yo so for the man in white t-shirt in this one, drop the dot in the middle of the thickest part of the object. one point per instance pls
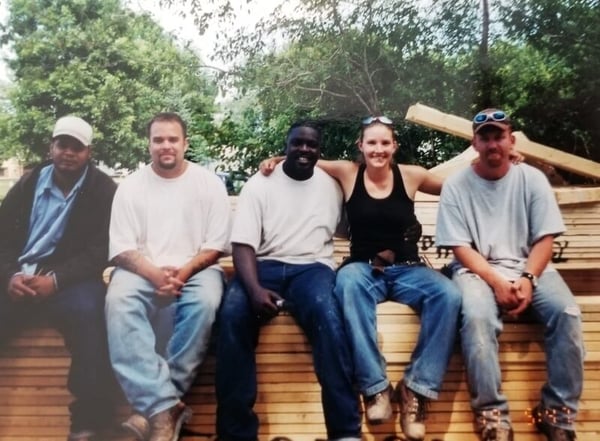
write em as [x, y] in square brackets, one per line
[169, 225]
[283, 254]
[500, 220]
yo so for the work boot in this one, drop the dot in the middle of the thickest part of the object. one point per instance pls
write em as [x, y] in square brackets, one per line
[553, 433]
[138, 426]
[166, 425]
[378, 407]
[412, 412]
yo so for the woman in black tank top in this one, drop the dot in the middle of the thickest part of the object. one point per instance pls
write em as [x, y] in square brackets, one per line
[384, 264]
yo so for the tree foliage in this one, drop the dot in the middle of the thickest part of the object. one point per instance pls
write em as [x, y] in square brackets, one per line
[538, 59]
[343, 61]
[561, 105]
[97, 60]
[332, 60]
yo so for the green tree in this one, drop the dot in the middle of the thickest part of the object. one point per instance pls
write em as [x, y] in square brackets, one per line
[338, 61]
[95, 59]
[562, 105]
[340, 64]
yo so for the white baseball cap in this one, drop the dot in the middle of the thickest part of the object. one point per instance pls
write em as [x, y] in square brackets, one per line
[75, 127]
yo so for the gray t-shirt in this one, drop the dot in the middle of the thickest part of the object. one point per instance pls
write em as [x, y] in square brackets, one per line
[501, 219]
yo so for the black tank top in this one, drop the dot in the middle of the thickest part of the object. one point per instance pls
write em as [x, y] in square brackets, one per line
[379, 224]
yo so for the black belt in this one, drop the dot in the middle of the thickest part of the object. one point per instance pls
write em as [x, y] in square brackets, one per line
[376, 262]
[387, 258]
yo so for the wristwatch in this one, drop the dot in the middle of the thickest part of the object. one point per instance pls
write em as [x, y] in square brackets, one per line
[531, 277]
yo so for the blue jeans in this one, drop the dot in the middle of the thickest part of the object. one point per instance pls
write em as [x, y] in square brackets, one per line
[307, 290]
[431, 295]
[156, 344]
[77, 313]
[553, 306]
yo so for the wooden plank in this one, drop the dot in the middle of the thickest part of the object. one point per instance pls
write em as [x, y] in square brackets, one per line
[461, 127]
[576, 195]
[556, 158]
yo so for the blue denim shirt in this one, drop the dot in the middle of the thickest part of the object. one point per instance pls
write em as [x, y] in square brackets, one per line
[49, 217]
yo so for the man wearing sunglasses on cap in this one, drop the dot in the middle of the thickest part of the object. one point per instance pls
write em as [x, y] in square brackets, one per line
[53, 249]
[500, 220]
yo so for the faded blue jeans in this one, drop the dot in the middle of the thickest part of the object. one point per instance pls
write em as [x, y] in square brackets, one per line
[156, 345]
[307, 290]
[431, 295]
[554, 307]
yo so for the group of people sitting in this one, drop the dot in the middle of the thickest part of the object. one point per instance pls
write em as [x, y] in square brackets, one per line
[166, 225]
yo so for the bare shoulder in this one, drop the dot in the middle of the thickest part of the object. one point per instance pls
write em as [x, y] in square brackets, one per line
[417, 178]
[413, 171]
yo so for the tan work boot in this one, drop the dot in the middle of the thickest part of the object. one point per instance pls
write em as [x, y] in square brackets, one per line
[378, 407]
[138, 426]
[412, 412]
[166, 425]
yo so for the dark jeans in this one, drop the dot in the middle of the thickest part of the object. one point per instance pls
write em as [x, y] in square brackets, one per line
[77, 312]
[308, 291]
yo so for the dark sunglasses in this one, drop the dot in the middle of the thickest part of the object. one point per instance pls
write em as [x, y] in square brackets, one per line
[381, 119]
[497, 116]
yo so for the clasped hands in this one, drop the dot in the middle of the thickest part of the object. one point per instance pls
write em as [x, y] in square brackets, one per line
[513, 297]
[22, 286]
[169, 280]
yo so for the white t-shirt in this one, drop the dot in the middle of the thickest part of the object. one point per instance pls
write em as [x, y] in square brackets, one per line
[502, 219]
[288, 220]
[170, 220]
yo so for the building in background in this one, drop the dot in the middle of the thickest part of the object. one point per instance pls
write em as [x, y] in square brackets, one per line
[11, 169]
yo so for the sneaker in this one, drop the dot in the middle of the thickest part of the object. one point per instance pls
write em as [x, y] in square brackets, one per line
[378, 407]
[138, 426]
[166, 425]
[412, 412]
[553, 433]
[497, 433]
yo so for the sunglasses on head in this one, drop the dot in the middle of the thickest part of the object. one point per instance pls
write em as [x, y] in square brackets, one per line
[381, 119]
[497, 115]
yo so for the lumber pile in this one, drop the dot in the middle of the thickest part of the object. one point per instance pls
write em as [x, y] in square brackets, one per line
[33, 398]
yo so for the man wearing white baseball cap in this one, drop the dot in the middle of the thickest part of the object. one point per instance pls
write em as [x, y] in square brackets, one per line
[75, 127]
[53, 249]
